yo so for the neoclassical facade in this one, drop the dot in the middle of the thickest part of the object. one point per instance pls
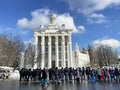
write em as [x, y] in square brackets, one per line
[53, 46]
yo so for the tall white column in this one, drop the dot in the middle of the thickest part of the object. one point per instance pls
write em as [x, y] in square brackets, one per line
[70, 45]
[68, 52]
[36, 51]
[43, 52]
[56, 48]
[63, 51]
[49, 51]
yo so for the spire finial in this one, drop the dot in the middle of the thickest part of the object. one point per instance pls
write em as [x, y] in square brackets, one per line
[53, 19]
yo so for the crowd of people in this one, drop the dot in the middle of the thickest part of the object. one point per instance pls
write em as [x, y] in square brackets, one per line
[56, 75]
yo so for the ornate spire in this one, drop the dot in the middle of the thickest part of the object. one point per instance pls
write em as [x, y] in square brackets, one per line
[76, 47]
[53, 19]
[52, 24]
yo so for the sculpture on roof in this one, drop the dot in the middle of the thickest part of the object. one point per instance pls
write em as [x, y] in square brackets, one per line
[53, 19]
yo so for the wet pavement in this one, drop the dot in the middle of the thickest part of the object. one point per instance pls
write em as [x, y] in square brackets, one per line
[16, 85]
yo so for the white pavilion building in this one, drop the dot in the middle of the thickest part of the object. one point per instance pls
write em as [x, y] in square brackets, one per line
[53, 47]
[81, 57]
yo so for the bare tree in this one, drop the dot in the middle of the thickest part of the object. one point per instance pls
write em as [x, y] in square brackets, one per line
[93, 58]
[106, 55]
[29, 55]
[102, 55]
[10, 50]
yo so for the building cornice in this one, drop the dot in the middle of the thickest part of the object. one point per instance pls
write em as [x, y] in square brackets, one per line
[53, 32]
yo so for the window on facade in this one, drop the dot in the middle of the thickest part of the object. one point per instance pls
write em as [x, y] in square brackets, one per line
[46, 48]
[59, 48]
[66, 55]
[59, 43]
[53, 53]
[59, 55]
[65, 43]
[66, 40]
[53, 50]
[66, 49]
[39, 51]
[53, 39]
[59, 38]
[60, 64]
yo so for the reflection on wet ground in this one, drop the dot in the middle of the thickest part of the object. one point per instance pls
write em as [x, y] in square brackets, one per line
[16, 85]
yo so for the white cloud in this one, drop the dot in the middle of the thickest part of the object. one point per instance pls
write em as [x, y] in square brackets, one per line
[69, 23]
[96, 18]
[90, 7]
[107, 41]
[81, 28]
[67, 20]
[94, 15]
[41, 16]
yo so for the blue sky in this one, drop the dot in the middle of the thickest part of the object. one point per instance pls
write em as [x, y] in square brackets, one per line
[94, 22]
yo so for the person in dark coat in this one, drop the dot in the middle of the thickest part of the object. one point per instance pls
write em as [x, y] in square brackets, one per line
[70, 74]
[77, 75]
[39, 74]
[66, 73]
[83, 73]
[21, 74]
[44, 77]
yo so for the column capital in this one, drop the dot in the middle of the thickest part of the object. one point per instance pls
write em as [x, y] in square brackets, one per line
[42, 37]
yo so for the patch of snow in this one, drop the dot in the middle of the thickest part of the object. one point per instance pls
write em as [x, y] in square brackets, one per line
[14, 75]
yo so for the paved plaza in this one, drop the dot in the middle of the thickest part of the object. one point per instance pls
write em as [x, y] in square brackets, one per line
[16, 85]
